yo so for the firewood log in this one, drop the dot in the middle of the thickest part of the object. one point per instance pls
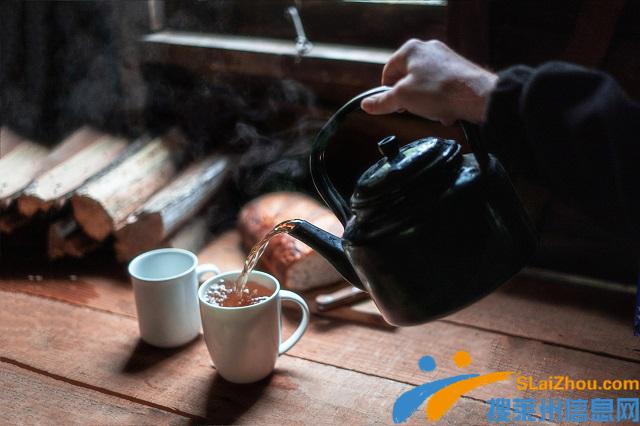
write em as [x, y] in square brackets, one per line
[20, 161]
[170, 207]
[102, 204]
[8, 141]
[87, 153]
[11, 219]
[192, 236]
[65, 238]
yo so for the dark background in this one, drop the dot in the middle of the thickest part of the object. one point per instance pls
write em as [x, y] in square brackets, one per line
[64, 64]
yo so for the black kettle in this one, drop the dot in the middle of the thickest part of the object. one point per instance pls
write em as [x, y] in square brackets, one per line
[428, 230]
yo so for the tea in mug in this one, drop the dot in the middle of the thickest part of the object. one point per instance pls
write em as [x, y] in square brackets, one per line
[222, 293]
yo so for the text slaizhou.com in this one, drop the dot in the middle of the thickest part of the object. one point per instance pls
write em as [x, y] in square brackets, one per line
[564, 383]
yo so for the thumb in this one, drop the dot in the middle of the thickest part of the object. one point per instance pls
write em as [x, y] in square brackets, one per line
[382, 103]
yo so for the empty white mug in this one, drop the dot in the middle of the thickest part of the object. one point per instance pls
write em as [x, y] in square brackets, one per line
[245, 342]
[165, 285]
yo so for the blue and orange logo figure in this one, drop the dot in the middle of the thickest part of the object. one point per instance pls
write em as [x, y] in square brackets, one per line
[443, 393]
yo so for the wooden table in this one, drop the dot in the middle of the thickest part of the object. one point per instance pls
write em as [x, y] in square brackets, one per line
[70, 353]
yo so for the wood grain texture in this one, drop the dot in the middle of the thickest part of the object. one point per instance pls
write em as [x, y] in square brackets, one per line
[164, 212]
[19, 167]
[68, 147]
[555, 311]
[93, 151]
[103, 350]
[93, 291]
[389, 354]
[549, 311]
[28, 398]
[394, 354]
[101, 205]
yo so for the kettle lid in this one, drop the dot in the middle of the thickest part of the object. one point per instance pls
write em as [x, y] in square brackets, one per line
[427, 162]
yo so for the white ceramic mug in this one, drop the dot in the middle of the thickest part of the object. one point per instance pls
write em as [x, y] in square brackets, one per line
[245, 342]
[165, 285]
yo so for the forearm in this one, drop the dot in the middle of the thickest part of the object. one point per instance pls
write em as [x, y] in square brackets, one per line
[575, 131]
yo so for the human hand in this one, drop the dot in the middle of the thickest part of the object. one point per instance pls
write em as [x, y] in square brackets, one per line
[431, 80]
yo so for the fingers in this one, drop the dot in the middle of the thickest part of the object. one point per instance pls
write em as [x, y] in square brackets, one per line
[383, 103]
[396, 68]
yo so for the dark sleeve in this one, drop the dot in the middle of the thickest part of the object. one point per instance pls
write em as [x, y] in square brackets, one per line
[575, 131]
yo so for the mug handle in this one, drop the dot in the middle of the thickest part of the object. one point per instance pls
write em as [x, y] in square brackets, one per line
[204, 269]
[293, 339]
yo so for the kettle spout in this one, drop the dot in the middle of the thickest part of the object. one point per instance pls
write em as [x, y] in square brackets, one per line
[329, 246]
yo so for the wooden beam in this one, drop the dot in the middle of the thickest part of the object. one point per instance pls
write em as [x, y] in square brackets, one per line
[269, 46]
[170, 207]
[379, 23]
[328, 68]
[101, 205]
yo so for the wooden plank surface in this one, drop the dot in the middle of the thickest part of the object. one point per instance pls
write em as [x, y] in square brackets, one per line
[375, 351]
[587, 319]
[29, 398]
[98, 292]
[583, 318]
[394, 354]
[531, 326]
[591, 319]
[102, 349]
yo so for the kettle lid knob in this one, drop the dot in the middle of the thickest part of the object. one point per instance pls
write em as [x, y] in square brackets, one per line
[389, 147]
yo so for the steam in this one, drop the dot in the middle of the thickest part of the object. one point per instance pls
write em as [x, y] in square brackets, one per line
[274, 157]
[66, 64]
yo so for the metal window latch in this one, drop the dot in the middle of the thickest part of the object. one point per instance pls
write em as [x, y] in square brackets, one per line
[303, 45]
[156, 14]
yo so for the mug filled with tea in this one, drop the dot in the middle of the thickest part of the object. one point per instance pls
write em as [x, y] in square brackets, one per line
[241, 320]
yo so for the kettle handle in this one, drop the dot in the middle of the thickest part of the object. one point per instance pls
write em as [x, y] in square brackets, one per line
[323, 184]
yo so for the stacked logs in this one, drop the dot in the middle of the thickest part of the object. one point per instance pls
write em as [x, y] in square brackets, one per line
[95, 189]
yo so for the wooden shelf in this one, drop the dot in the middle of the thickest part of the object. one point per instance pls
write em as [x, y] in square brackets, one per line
[334, 71]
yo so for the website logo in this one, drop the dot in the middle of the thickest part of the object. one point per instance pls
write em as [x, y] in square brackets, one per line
[442, 394]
